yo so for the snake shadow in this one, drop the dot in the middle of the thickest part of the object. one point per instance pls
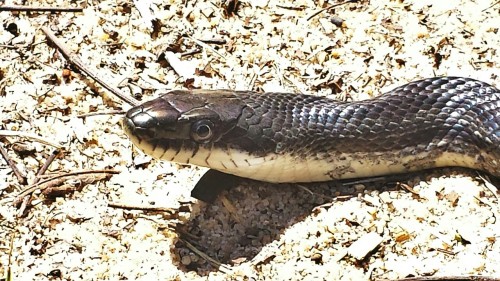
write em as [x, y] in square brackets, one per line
[238, 222]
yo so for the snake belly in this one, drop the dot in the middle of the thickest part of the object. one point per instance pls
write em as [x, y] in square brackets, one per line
[282, 137]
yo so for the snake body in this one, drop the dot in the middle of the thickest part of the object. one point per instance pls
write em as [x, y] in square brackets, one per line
[279, 137]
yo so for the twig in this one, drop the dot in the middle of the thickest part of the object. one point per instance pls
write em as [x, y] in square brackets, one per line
[58, 186]
[445, 278]
[112, 112]
[46, 165]
[306, 189]
[141, 208]
[216, 41]
[223, 268]
[330, 7]
[75, 60]
[204, 45]
[447, 252]
[190, 53]
[11, 249]
[19, 8]
[23, 205]
[366, 180]
[487, 183]
[407, 188]
[20, 177]
[46, 183]
[491, 6]
[21, 134]
[28, 198]
[230, 208]
[299, 8]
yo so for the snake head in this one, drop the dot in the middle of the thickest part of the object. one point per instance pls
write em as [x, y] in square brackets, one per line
[181, 120]
[142, 121]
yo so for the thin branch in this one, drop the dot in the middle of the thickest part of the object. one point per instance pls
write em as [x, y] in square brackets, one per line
[445, 278]
[216, 41]
[141, 208]
[190, 53]
[20, 177]
[407, 188]
[30, 189]
[490, 186]
[75, 60]
[18, 8]
[330, 7]
[11, 249]
[46, 165]
[306, 189]
[206, 46]
[27, 199]
[230, 208]
[111, 112]
[21, 134]
[222, 267]
[491, 6]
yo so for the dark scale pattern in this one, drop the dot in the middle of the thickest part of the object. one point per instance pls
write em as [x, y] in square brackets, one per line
[401, 118]
[453, 114]
[431, 116]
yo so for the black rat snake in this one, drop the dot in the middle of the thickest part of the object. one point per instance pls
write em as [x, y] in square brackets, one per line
[278, 137]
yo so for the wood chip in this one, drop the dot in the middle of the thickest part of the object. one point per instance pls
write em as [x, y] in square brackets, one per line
[364, 245]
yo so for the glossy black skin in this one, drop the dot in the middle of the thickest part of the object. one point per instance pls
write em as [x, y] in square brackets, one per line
[437, 114]
[442, 114]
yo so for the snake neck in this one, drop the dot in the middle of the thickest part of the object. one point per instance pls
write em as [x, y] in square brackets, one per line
[417, 126]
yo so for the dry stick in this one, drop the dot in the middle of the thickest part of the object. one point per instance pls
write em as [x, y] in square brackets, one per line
[20, 177]
[32, 188]
[362, 181]
[330, 7]
[61, 186]
[19, 8]
[11, 249]
[46, 165]
[491, 6]
[216, 41]
[57, 185]
[21, 134]
[445, 278]
[490, 186]
[23, 202]
[222, 267]
[75, 60]
[407, 188]
[190, 53]
[206, 46]
[27, 198]
[111, 112]
[306, 189]
[141, 208]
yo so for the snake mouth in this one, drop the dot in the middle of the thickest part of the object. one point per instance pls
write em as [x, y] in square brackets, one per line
[146, 138]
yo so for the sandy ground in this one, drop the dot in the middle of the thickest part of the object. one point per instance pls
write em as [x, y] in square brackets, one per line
[437, 223]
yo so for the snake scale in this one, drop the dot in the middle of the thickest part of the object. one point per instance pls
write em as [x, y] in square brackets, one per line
[280, 137]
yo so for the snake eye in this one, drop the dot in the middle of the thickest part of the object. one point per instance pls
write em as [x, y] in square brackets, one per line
[202, 131]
